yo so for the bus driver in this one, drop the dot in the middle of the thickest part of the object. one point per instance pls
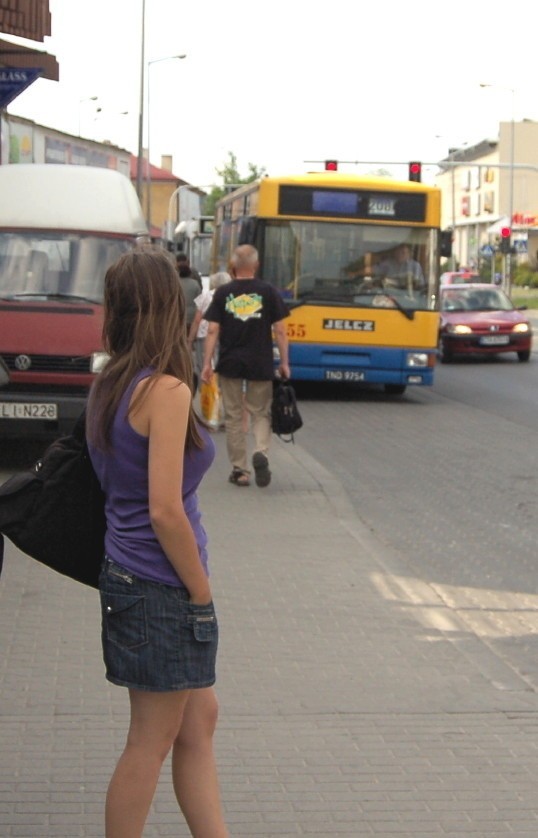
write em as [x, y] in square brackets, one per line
[401, 271]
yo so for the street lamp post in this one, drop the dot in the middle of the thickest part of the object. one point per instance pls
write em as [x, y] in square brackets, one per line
[511, 198]
[451, 150]
[507, 272]
[141, 104]
[148, 169]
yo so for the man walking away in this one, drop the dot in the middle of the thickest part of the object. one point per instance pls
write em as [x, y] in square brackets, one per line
[186, 269]
[243, 316]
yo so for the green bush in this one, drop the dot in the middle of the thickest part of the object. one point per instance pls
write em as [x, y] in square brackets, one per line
[524, 276]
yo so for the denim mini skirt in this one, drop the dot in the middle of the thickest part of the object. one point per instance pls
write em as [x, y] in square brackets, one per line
[153, 637]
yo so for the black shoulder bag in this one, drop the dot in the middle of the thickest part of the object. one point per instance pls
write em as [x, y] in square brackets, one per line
[54, 512]
[285, 416]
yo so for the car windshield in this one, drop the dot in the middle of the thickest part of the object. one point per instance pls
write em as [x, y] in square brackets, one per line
[60, 265]
[475, 299]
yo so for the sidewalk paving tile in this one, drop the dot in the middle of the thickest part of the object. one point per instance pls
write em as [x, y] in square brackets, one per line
[353, 702]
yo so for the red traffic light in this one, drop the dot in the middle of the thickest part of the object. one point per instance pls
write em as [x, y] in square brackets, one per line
[331, 165]
[506, 240]
[415, 171]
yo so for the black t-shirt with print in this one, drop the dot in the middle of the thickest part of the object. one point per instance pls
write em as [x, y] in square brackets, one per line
[245, 310]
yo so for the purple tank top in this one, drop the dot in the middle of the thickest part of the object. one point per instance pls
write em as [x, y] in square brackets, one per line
[123, 473]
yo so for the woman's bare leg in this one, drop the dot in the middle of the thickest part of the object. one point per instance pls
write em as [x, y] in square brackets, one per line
[156, 719]
[194, 771]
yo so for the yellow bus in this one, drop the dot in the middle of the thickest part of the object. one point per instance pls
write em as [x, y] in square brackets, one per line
[357, 260]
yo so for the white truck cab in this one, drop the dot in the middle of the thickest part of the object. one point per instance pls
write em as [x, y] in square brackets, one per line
[61, 226]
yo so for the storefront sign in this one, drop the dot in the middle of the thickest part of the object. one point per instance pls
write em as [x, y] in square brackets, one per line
[13, 80]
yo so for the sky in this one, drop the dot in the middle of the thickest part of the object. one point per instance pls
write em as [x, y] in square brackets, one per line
[283, 83]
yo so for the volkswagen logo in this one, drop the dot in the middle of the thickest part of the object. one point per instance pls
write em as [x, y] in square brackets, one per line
[23, 363]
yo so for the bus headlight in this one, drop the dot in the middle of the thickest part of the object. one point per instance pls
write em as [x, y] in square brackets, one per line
[416, 359]
[98, 361]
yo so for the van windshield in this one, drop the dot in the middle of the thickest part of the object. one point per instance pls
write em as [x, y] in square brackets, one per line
[47, 264]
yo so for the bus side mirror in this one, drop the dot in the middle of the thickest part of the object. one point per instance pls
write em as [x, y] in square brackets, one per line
[446, 242]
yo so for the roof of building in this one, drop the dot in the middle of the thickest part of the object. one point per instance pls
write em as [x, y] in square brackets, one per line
[155, 172]
[469, 153]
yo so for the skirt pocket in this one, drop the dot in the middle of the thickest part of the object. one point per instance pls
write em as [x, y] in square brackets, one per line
[124, 620]
[203, 621]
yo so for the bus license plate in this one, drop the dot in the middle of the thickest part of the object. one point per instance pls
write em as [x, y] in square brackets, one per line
[495, 340]
[28, 410]
[343, 375]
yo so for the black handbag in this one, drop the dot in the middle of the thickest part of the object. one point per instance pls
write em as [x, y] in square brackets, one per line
[285, 416]
[54, 511]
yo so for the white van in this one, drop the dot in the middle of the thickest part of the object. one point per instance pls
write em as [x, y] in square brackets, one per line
[61, 226]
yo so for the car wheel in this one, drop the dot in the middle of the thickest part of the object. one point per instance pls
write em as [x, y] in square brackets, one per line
[395, 389]
[524, 355]
[445, 355]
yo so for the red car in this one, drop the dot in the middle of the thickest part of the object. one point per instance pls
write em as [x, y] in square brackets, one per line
[479, 319]
[451, 277]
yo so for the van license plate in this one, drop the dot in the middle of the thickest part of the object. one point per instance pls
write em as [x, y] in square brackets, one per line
[343, 375]
[31, 410]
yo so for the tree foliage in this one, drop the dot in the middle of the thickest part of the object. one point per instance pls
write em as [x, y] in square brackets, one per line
[231, 178]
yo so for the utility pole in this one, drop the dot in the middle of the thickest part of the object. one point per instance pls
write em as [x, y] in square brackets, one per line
[139, 161]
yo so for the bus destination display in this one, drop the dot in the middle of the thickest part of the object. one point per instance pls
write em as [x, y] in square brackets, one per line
[352, 203]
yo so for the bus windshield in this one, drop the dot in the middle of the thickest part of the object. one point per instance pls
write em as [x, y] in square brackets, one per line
[69, 265]
[351, 264]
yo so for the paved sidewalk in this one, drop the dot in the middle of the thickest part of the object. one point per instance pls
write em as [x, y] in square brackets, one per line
[354, 701]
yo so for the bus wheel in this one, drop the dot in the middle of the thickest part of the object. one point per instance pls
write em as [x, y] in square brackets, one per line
[395, 389]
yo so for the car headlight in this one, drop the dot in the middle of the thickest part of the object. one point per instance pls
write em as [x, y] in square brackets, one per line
[98, 361]
[521, 327]
[458, 329]
[416, 359]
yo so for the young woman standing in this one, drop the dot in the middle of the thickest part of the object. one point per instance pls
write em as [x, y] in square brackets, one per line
[159, 627]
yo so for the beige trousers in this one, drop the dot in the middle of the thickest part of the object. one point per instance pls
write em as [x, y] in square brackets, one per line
[255, 397]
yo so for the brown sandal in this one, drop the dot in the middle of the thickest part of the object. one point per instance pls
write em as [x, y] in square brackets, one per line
[239, 477]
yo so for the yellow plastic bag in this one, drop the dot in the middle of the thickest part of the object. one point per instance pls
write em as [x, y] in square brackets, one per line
[209, 400]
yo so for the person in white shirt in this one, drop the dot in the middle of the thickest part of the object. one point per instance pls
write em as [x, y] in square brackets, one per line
[198, 330]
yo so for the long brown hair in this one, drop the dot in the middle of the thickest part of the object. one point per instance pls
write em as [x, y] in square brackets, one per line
[144, 326]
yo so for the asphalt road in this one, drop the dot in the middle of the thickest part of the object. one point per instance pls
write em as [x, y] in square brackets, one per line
[447, 477]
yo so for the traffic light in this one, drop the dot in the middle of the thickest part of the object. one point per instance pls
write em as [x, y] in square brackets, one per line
[415, 171]
[506, 240]
[331, 165]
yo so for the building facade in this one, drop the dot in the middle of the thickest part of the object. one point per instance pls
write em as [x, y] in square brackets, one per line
[491, 185]
[24, 141]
